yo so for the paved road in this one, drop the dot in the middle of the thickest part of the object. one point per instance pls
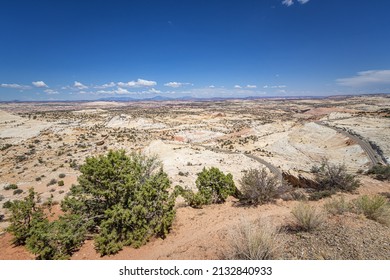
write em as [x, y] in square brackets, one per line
[371, 153]
[271, 167]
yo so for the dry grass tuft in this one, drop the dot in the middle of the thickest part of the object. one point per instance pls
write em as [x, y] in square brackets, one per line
[374, 207]
[253, 241]
[337, 206]
[307, 217]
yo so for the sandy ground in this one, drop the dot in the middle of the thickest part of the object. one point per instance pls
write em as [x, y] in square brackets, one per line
[15, 129]
[183, 162]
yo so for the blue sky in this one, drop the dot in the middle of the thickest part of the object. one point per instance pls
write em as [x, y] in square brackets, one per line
[76, 50]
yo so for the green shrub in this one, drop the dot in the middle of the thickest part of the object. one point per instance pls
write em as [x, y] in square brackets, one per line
[307, 217]
[257, 187]
[17, 191]
[317, 195]
[58, 239]
[11, 187]
[126, 197]
[5, 147]
[1, 197]
[213, 187]
[24, 215]
[374, 207]
[7, 204]
[60, 183]
[195, 200]
[381, 172]
[62, 175]
[334, 178]
[253, 241]
[52, 182]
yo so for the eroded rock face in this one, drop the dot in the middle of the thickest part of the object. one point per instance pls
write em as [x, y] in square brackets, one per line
[299, 181]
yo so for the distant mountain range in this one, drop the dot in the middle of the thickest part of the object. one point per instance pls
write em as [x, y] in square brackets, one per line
[160, 98]
[190, 98]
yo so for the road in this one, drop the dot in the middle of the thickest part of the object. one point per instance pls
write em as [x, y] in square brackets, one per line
[271, 167]
[370, 152]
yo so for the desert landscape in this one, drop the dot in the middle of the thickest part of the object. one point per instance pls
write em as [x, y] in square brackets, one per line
[43, 146]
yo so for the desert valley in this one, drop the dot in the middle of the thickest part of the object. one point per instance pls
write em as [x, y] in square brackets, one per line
[44, 144]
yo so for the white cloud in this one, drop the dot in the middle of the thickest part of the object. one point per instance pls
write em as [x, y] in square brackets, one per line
[108, 85]
[173, 84]
[138, 83]
[367, 78]
[176, 84]
[40, 84]
[237, 86]
[279, 86]
[211, 86]
[153, 90]
[122, 91]
[15, 86]
[51, 91]
[251, 86]
[79, 85]
[119, 90]
[288, 3]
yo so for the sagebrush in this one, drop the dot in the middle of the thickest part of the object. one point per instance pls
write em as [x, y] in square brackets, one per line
[256, 240]
[307, 217]
[258, 187]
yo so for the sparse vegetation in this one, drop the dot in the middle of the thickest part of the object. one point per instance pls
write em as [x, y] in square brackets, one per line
[253, 241]
[5, 147]
[206, 137]
[337, 206]
[380, 172]
[374, 207]
[7, 204]
[10, 187]
[331, 178]
[307, 217]
[317, 195]
[52, 182]
[17, 191]
[257, 187]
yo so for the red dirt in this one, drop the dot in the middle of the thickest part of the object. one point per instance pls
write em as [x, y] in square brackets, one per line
[202, 233]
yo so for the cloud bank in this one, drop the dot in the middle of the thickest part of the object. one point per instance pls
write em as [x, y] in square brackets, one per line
[176, 84]
[15, 86]
[367, 78]
[138, 83]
